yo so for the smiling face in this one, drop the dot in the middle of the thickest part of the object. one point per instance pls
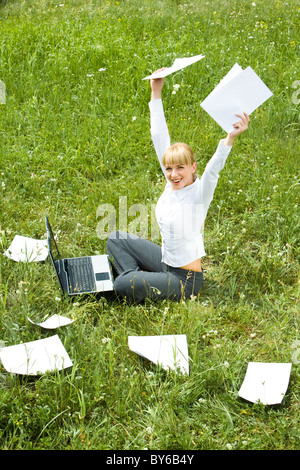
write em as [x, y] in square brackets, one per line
[180, 175]
[180, 165]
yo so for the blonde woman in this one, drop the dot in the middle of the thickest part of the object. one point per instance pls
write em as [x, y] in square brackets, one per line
[173, 270]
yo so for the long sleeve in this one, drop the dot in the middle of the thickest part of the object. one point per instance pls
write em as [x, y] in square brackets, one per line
[159, 130]
[210, 176]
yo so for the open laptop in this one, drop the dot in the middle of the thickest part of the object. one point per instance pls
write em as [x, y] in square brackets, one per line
[82, 275]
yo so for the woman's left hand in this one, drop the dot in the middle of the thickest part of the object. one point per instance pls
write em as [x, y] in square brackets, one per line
[239, 127]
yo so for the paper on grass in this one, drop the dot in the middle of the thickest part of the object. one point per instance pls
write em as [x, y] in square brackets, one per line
[53, 322]
[266, 382]
[177, 65]
[238, 92]
[27, 249]
[35, 357]
[169, 351]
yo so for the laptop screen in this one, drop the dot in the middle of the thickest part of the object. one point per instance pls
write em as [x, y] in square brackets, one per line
[53, 246]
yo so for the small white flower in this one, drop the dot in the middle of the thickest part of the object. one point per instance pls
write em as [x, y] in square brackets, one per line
[134, 118]
[58, 299]
[106, 340]
[175, 88]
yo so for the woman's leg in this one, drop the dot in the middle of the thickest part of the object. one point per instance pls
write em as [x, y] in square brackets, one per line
[139, 285]
[129, 252]
[141, 272]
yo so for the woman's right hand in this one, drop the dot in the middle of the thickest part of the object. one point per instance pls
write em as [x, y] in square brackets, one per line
[157, 85]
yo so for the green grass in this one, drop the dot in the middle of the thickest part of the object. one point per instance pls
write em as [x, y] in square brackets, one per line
[73, 138]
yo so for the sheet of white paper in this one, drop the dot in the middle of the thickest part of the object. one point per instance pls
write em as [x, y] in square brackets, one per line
[236, 69]
[53, 322]
[239, 91]
[27, 249]
[35, 357]
[266, 382]
[177, 65]
[170, 351]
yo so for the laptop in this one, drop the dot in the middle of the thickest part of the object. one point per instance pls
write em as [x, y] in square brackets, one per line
[82, 275]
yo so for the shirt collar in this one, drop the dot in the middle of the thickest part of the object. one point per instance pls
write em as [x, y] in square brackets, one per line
[181, 193]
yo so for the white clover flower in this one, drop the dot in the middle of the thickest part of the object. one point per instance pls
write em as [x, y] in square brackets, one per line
[106, 340]
[201, 400]
[175, 88]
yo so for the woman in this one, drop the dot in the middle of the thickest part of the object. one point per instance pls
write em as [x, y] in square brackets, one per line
[173, 270]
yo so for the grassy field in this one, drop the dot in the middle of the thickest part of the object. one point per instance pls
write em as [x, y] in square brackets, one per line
[75, 135]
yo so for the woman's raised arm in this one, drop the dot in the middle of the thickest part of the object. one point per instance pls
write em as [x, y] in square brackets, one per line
[159, 129]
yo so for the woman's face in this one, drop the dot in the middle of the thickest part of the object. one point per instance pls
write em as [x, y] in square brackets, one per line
[180, 175]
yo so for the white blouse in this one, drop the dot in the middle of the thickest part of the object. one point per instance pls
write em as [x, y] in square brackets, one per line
[181, 213]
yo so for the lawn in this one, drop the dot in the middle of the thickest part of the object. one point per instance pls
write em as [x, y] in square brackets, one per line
[75, 141]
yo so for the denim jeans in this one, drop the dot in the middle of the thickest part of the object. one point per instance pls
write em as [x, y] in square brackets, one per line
[141, 274]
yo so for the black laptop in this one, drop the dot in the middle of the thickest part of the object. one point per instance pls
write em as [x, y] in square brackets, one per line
[82, 275]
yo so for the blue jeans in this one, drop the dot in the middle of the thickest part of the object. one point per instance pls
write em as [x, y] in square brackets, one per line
[141, 274]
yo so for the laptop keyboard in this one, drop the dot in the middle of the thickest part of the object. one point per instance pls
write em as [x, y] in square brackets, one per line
[81, 275]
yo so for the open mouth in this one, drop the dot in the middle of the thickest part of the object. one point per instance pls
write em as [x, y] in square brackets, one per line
[177, 181]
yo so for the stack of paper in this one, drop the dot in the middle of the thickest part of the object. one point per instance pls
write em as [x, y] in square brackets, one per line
[177, 65]
[27, 249]
[35, 357]
[238, 92]
[169, 351]
[266, 382]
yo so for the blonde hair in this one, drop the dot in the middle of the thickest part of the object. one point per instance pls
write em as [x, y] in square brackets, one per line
[178, 153]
